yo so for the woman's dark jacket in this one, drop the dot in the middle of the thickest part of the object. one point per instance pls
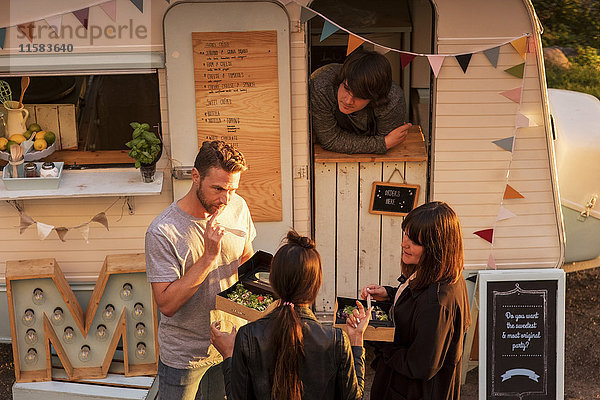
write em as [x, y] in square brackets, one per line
[331, 368]
[424, 361]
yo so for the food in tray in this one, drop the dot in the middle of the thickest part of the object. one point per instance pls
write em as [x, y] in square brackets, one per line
[245, 297]
[377, 314]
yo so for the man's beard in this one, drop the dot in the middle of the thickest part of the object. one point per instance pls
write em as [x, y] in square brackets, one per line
[210, 208]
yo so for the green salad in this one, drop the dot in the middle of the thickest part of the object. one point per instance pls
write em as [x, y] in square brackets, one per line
[243, 296]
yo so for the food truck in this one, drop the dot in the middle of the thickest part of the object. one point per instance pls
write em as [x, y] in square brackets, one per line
[473, 77]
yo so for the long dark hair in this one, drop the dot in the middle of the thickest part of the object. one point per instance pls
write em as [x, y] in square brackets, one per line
[296, 276]
[436, 227]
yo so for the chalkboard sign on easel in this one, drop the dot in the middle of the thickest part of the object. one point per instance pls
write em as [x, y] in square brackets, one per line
[521, 337]
[393, 198]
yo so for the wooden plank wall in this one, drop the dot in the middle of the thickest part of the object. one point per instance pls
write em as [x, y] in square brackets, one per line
[81, 261]
[57, 118]
[357, 248]
[469, 171]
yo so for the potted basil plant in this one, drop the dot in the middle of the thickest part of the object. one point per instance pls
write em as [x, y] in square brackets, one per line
[146, 149]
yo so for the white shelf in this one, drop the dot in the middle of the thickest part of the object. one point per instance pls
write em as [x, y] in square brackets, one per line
[92, 183]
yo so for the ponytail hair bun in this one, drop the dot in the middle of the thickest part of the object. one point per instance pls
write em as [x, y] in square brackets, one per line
[294, 238]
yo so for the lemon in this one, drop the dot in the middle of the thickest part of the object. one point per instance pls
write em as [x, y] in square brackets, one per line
[27, 134]
[49, 137]
[17, 137]
[34, 128]
[3, 143]
[40, 144]
[40, 135]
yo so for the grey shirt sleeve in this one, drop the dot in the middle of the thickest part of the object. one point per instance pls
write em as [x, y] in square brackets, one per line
[162, 264]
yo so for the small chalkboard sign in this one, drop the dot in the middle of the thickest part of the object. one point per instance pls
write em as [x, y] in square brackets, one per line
[393, 198]
[521, 345]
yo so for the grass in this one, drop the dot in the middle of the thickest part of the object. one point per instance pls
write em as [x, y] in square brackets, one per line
[580, 78]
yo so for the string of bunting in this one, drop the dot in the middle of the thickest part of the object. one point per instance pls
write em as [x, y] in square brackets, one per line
[522, 44]
[82, 15]
[44, 230]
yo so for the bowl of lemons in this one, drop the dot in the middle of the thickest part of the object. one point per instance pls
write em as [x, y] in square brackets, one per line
[36, 142]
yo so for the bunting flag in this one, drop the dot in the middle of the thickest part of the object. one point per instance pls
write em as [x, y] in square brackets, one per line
[55, 23]
[43, 230]
[353, 43]
[381, 49]
[83, 16]
[492, 55]
[523, 121]
[511, 193]
[328, 30]
[27, 30]
[85, 232]
[306, 14]
[101, 219]
[506, 143]
[464, 60]
[491, 262]
[62, 232]
[513, 94]
[486, 234]
[516, 71]
[2, 37]
[26, 221]
[520, 46]
[436, 62]
[139, 4]
[110, 8]
[505, 214]
[406, 58]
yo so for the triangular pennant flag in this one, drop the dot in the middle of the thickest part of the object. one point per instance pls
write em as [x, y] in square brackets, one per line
[513, 94]
[491, 262]
[110, 8]
[2, 37]
[139, 4]
[55, 23]
[506, 143]
[520, 46]
[492, 55]
[101, 219]
[328, 30]
[511, 193]
[83, 16]
[43, 230]
[27, 30]
[306, 14]
[516, 71]
[381, 49]
[522, 121]
[406, 58]
[486, 234]
[26, 221]
[85, 232]
[353, 43]
[62, 232]
[464, 60]
[436, 63]
[505, 214]
[530, 44]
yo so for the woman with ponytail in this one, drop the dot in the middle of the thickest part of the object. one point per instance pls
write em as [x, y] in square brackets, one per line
[288, 354]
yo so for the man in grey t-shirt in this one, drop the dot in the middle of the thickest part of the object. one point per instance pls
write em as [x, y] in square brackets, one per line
[193, 251]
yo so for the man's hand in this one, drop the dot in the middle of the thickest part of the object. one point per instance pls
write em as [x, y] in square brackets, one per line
[397, 136]
[212, 238]
[223, 341]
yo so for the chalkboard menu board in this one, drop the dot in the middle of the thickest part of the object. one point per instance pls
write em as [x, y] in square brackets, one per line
[521, 352]
[237, 101]
[393, 198]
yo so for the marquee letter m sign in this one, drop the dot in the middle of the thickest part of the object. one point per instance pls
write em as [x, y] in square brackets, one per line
[43, 310]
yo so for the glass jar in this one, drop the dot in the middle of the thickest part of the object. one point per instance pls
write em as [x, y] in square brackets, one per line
[30, 170]
[49, 170]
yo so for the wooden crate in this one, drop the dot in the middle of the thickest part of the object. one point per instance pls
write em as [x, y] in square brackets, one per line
[58, 118]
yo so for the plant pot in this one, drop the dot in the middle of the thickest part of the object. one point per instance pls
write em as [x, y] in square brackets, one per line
[148, 171]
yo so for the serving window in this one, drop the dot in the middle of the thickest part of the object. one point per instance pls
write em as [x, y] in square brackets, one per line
[90, 113]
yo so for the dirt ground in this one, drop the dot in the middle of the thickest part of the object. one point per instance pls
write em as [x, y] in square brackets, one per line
[582, 346]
